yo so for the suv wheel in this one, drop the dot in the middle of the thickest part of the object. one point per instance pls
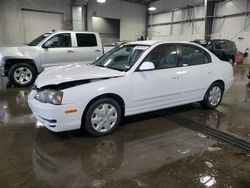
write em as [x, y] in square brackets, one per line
[102, 117]
[22, 74]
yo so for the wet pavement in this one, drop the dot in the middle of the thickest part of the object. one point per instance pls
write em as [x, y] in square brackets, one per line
[233, 115]
[147, 150]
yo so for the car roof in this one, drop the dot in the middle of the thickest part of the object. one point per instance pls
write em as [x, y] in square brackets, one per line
[143, 42]
[69, 31]
[153, 42]
[203, 40]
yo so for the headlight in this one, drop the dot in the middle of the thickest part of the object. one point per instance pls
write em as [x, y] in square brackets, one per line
[49, 96]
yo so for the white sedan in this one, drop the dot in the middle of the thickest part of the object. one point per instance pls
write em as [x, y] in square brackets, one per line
[131, 79]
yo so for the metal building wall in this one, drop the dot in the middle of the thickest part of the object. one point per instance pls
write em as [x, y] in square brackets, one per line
[183, 24]
[132, 16]
[232, 21]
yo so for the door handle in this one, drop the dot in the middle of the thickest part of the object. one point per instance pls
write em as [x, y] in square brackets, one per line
[70, 51]
[175, 78]
[97, 50]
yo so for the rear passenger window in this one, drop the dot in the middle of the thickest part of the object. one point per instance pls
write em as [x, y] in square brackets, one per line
[191, 55]
[86, 40]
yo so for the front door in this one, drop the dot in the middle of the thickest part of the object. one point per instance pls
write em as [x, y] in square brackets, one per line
[158, 88]
[58, 50]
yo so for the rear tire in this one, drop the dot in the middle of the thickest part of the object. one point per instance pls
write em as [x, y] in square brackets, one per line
[102, 117]
[213, 96]
[231, 60]
[22, 74]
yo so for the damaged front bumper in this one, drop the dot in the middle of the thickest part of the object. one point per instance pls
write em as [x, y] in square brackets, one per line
[53, 117]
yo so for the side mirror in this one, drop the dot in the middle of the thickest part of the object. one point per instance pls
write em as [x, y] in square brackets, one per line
[147, 66]
[47, 44]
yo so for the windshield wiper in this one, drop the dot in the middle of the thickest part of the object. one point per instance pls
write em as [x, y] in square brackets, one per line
[98, 65]
[109, 67]
[122, 70]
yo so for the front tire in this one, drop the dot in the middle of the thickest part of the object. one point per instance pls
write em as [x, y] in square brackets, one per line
[102, 117]
[22, 74]
[213, 96]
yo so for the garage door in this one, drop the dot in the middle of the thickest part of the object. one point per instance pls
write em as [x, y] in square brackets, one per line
[36, 23]
[109, 29]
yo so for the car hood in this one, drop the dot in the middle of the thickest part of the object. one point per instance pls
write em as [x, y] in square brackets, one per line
[74, 72]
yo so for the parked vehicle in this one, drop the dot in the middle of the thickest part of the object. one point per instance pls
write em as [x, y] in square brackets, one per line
[23, 64]
[222, 48]
[133, 78]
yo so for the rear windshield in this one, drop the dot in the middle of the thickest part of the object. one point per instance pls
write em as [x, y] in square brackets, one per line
[224, 45]
[230, 45]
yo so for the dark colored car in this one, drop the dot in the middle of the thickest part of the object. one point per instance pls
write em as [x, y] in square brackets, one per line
[222, 48]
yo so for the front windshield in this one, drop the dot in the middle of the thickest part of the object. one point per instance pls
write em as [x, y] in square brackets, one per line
[121, 58]
[37, 40]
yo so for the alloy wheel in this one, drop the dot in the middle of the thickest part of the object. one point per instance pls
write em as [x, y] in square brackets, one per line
[23, 75]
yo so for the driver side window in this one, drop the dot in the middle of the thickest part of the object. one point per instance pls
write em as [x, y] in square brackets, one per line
[62, 40]
[163, 56]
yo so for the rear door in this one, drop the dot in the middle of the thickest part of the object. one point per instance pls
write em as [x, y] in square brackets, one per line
[197, 72]
[88, 47]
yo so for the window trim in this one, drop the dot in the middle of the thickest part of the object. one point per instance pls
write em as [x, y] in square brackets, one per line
[56, 35]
